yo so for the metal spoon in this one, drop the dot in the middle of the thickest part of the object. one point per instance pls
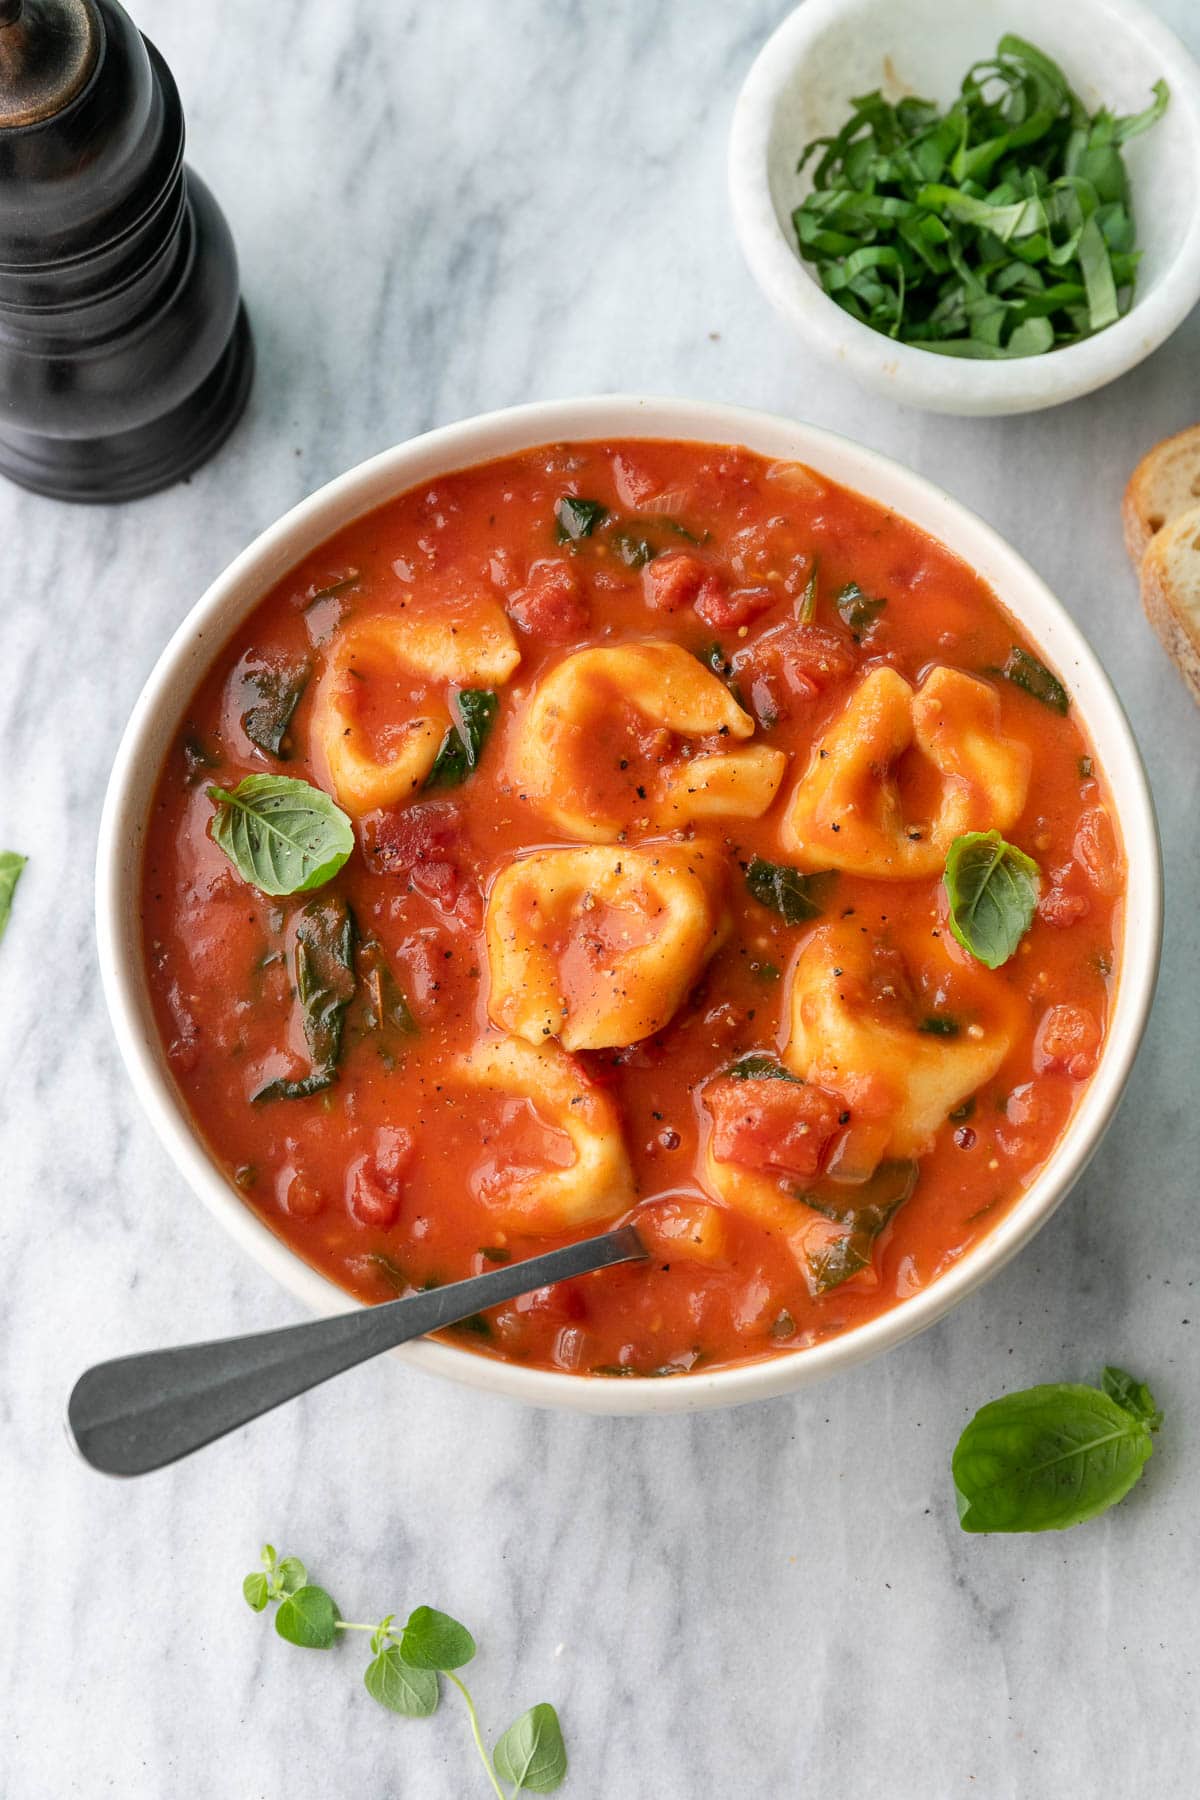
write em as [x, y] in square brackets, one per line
[139, 1413]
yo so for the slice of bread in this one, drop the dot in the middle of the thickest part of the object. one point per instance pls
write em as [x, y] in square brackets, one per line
[1170, 580]
[1165, 482]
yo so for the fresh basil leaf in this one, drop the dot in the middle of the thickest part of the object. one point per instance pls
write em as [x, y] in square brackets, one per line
[858, 611]
[992, 888]
[1025, 671]
[1133, 1395]
[795, 897]
[325, 986]
[399, 1686]
[864, 1210]
[308, 1618]
[462, 746]
[531, 1754]
[577, 518]
[255, 1591]
[1047, 1458]
[282, 836]
[11, 865]
[758, 1065]
[277, 693]
[433, 1640]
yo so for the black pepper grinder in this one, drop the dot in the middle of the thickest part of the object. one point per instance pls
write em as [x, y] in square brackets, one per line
[125, 353]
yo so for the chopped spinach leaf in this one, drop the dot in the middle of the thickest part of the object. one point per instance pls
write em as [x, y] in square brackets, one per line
[277, 695]
[633, 551]
[806, 611]
[386, 1008]
[462, 746]
[759, 1065]
[858, 611]
[325, 986]
[1025, 671]
[864, 1211]
[940, 1025]
[577, 519]
[795, 897]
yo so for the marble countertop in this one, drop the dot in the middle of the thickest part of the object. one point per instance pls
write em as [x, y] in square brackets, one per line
[442, 209]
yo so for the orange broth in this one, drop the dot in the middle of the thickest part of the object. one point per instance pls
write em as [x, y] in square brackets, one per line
[388, 1179]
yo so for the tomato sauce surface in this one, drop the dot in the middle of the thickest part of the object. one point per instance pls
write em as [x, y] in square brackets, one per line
[392, 1176]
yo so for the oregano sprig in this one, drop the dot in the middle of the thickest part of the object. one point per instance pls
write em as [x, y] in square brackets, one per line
[405, 1670]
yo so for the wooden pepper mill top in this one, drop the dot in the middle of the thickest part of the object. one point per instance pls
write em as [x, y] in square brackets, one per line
[125, 355]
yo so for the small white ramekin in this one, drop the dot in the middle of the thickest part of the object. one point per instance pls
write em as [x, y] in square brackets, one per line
[161, 706]
[800, 87]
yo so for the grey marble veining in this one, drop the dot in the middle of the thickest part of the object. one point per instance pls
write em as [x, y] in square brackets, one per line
[442, 208]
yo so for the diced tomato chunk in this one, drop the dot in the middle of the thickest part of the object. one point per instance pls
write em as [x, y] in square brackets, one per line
[1097, 849]
[552, 605]
[725, 609]
[673, 580]
[1065, 901]
[1068, 1038]
[778, 1127]
[375, 1185]
[805, 659]
[424, 844]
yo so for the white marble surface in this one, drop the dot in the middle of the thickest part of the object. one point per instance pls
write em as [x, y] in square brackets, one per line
[442, 208]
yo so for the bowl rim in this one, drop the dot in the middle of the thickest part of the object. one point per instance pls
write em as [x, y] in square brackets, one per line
[238, 588]
[903, 371]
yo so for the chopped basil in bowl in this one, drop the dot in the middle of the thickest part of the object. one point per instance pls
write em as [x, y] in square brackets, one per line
[1000, 211]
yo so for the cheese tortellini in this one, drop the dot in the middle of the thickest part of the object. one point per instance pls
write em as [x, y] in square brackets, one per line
[847, 810]
[468, 645]
[596, 1182]
[598, 946]
[851, 1022]
[567, 761]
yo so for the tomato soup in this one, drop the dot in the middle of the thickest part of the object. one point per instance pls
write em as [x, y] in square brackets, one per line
[696, 843]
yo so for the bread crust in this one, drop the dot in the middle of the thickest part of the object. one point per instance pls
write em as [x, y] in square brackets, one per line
[1175, 621]
[1149, 504]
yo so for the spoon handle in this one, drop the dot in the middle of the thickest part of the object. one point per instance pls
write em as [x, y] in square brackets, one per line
[142, 1412]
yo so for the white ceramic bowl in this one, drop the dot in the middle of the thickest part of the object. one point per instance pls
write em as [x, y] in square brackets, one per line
[799, 88]
[160, 708]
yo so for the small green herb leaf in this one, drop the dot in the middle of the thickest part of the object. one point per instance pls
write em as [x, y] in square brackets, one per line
[940, 1025]
[276, 693]
[308, 1618]
[1025, 671]
[992, 888]
[399, 1686]
[577, 518]
[795, 897]
[858, 611]
[1048, 1457]
[291, 1575]
[633, 551]
[433, 1640]
[462, 746]
[531, 1754]
[282, 836]
[255, 1590]
[11, 865]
